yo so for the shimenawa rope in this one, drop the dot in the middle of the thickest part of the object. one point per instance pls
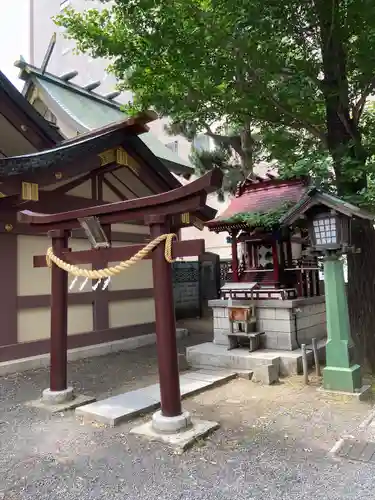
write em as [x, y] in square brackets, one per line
[122, 266]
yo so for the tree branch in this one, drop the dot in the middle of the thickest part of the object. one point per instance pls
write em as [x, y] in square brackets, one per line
[296, 120]
[227, 140]
[359, 106]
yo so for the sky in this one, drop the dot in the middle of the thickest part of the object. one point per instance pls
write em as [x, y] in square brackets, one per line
[14, 36]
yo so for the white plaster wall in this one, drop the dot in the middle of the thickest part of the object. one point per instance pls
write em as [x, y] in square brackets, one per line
[136, 277]
[30, 280]
[35, 324]
[131, 312]
[37, 281]
[83, 190]
[128, 178]
[130, 228]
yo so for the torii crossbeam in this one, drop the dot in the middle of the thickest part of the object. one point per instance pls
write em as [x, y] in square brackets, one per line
[156, 211]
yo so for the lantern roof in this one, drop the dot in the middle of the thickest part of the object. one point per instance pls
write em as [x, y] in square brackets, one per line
[316, 197]
[260, 203]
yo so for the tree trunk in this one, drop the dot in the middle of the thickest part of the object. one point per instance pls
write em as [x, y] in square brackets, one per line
[247, 145]
[344, 143]
[361, 293]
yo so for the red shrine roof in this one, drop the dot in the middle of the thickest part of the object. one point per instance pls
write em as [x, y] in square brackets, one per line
[259, 196]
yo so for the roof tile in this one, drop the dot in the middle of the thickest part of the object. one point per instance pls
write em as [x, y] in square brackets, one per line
[262, 198]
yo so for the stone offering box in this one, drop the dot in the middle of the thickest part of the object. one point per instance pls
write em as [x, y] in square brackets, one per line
[286, 323]
[242, 318]
[242, 326]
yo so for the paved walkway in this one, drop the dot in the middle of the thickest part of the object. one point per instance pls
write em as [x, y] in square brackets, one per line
[117, 409]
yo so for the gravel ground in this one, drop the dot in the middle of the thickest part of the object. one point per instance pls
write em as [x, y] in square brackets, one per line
[273, 442]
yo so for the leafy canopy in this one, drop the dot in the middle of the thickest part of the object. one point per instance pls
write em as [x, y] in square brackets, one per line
[266, 79]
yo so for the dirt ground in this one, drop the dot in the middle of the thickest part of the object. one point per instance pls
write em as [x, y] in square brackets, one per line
[273, 441]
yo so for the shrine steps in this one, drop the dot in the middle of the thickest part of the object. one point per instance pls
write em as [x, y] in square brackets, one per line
[212, 356]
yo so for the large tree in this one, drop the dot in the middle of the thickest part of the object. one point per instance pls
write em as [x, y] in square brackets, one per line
[296, 73]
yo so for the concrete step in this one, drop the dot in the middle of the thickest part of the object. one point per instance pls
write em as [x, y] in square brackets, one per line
[211, 356]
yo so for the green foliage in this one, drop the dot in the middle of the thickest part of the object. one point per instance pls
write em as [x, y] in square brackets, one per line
[268, 221]
[296, 74]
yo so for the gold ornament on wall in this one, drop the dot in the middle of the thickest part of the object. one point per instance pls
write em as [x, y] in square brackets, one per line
[185, 218]
[30, 191]
[107, 157]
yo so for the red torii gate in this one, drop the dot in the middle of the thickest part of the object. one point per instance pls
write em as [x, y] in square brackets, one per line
[158, 212]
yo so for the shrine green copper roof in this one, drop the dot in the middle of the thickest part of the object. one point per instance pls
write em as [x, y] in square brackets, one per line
[89, 111]
[86, 112]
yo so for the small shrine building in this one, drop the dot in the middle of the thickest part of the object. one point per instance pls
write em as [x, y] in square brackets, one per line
[268, 261]
[271, 275]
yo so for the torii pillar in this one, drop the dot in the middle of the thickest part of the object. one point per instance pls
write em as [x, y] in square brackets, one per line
[170, 418]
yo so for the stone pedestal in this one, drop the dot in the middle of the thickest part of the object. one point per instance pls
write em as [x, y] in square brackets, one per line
[57, 397]
[340, 373]
[58, 401]
[287, 323]
[170, 425]
[177, 432]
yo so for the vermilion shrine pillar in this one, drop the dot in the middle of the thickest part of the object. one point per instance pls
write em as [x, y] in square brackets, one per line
[165, 320]
[58, 389]
[275, 259]
[234, 256]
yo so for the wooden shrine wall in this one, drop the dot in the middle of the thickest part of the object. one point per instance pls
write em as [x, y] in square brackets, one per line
[34, 322]
[123, 311]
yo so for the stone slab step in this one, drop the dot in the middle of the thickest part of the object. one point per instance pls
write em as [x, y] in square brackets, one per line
[116, 409]
[212, 356]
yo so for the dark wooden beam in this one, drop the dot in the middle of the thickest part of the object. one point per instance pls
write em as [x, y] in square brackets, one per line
[9, 225]
[94, 187]
[49, 202]
[82, 298]
[76, 157]
[188, 198]
[188, 204]
[100, 187]
[8, 290]
[35, 348]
